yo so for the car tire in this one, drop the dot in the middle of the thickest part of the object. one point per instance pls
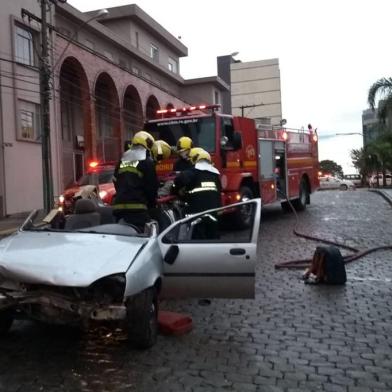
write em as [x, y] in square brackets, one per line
[242, 217]
[343, 187]
[142, 319]
[6, 319]
[300, 203]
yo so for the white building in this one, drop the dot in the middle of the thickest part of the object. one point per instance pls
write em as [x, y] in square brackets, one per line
[255, 89]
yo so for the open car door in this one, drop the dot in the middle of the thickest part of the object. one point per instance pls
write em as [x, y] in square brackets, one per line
[205, 257]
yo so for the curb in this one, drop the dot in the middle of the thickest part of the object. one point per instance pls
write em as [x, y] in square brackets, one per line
[386, 196]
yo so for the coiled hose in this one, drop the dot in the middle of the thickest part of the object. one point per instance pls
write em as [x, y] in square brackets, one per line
[305, 263]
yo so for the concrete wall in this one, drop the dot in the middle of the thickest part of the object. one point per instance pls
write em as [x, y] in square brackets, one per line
[129, 30]
[199, 94]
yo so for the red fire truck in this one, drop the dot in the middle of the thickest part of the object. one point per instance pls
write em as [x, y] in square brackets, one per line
[274, 164]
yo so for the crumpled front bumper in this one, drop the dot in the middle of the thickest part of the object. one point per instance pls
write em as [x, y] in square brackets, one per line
[56, 308]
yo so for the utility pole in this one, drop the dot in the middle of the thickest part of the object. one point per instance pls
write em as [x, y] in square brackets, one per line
[242, 107]
[44, 74]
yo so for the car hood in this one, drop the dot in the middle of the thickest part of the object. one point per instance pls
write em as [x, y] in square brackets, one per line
[66, 259]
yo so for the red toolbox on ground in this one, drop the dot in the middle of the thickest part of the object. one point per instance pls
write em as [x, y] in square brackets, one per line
[172, 323]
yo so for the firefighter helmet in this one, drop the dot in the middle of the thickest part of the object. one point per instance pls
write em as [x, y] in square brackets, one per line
[184, 143]
[197, 154]
[160, 150]
[143, 138]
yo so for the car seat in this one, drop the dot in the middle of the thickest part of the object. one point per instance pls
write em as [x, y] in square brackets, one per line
[85, 215]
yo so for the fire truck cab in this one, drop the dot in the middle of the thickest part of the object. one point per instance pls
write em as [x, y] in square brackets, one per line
[273, 164]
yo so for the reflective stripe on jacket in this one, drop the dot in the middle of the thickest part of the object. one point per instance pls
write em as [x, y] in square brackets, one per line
[202, 189]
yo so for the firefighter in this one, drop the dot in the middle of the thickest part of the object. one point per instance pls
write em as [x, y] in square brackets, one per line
[184, 146]
[136, 182]
[160, 151]
[200, 188]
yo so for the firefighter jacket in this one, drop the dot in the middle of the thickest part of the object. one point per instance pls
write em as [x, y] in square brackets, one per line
[136, 184]
[201, 189]
[182, 164]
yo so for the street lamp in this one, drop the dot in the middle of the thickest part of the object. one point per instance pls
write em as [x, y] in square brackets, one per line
[339, 134]
[45, 75]
[349, 133]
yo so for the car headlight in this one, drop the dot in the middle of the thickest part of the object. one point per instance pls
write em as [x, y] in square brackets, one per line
[61, 199]
[102, 194]
[112, 286]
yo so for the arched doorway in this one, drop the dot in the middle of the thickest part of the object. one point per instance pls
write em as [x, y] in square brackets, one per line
[151, 107]
[75, 119]
[107, 117]
[132, 112]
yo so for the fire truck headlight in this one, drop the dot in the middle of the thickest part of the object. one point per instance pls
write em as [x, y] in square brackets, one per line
[61, 199]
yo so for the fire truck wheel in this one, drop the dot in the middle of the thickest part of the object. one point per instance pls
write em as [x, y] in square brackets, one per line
[300, 203]
[286, 207]
[243, 215]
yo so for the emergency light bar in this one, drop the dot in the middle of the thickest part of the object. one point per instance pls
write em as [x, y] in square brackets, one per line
[188, 109]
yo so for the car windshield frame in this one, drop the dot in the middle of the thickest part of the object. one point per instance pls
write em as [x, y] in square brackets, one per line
[104, 175]
[39, 221]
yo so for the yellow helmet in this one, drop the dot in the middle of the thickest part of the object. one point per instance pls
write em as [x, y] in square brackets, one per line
[160, 150]
[197, 154]
[184, 143]
[144, 139]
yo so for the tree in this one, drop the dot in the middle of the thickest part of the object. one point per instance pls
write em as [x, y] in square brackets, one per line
[331, 167]
[361, 162]
[381, 152]
[382, 88]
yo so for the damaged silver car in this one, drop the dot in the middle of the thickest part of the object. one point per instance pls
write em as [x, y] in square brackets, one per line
[95, 271]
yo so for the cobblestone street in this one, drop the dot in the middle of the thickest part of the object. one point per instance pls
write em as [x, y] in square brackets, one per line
[292, 337]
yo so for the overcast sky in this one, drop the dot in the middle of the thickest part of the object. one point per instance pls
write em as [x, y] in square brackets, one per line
[330, 52]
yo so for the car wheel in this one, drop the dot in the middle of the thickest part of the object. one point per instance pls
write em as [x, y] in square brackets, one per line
[343, 187]
[142, 319]
[6, 319]
[300, 203]
[242, 217]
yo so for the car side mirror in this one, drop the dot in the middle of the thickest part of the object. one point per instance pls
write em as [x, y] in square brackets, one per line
[237, 140]
[171, 254]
